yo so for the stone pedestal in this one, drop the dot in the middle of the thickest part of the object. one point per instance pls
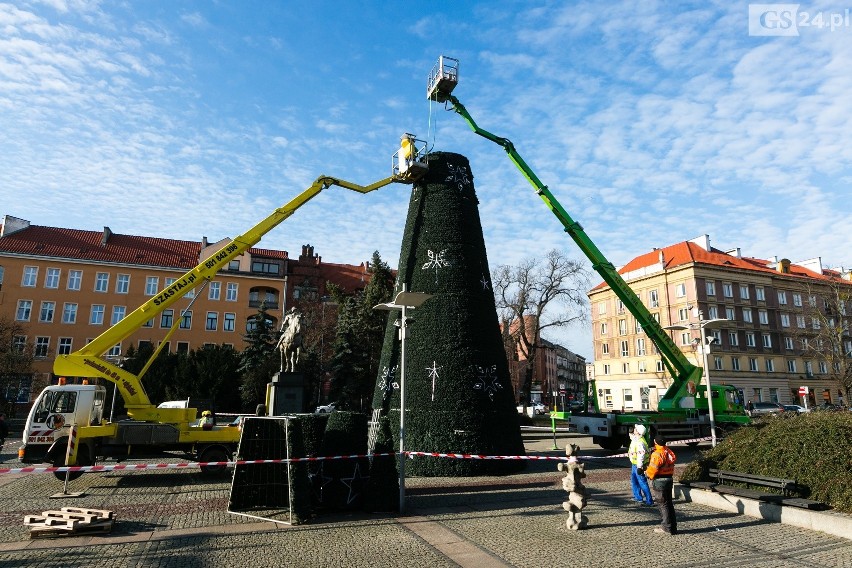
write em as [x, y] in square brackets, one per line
[571, 483]
[286, 394]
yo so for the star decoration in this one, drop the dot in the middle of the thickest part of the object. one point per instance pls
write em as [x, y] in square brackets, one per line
[459, 176]
[387, 384]
[486, 283]
[319, 480]
[487, 380]
[354, 483]
[433, 374]
[436, 261]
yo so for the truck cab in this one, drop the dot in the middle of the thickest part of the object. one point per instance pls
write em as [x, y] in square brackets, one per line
[57, 408]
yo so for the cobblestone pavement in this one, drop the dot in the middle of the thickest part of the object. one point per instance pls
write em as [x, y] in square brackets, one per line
[178, 518]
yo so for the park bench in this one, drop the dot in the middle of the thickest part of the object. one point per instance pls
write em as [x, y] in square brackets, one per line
[721, 481]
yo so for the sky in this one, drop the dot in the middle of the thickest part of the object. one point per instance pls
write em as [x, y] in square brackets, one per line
[651, 124]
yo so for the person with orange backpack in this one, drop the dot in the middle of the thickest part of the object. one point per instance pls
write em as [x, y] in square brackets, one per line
[660, 471]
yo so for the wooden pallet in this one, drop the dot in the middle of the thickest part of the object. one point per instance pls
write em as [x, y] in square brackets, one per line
[69, 521]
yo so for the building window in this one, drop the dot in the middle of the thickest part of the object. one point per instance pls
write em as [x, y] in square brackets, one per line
[682, 314]
[167, 318]
[186, 319]
[763, 317]
[805, 343]
[680, 290]
[605, 348]
[214, 291]
[606, 369]
[823, 367]
[800, 322]
[607, 398]
[101, 282]
[114, 351]
[118, 314]
[685, 338]
[713, 312]
[653, 299]
[625, 352]
[717, 335]
[122, 284]
[797, 300]
[785, 320]
[744, 292]
[752, 364]
[638, 327]
[264, 267]
[64, 346]
[750, 340]
[25, 308]
[601, 308]
[212, 321]
[96, 317]
[782, 297]
[152, 284]
[815, 323]
[640, 346]
[812, 301]
[603, 328]
[183, 346]
[659, 366]
[19, 343]
[788, 343]
[69, 313]
[773, 394]
[625, 368]
[732, 338]
[622, 327]
[747, 315]
[619, 306]
[42, 346]
[809, 369]
[727, 289]
[717, 363]
[234, 265]
[759, 293]
[791, 365]
[231, 292]
[735, 363]
[770, 366]
[75, 279]
[230, 322]
[51, 278]
[643, 368]
[729, 314]
[711, 288]
[149, 323]
[47, 311]
[767, 340]
[628, 398]
[30, 277]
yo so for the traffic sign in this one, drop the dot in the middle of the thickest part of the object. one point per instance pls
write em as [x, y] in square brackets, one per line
[803, 391]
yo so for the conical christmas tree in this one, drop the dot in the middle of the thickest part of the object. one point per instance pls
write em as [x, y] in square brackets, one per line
[458, 393]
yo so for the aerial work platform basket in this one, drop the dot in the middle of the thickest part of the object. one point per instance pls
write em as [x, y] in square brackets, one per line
[442, 79]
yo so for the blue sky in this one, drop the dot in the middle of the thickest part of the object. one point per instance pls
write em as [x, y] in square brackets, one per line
[652, 124]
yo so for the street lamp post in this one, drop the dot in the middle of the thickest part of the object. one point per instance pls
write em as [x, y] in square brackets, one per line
[705, 349]
[403, 302]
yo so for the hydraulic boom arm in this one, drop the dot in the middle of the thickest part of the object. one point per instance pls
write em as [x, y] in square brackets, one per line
[87, 362]
[441, 83]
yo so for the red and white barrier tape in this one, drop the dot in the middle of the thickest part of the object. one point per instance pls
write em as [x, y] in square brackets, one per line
[183, 465]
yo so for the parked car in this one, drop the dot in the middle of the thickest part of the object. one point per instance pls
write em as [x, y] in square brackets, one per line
[828, 406]
[796, 408]
[539, 408]
[325, 408]
[763, 407]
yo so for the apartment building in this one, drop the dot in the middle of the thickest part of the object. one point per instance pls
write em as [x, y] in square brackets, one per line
[67, 286]
[762, 317]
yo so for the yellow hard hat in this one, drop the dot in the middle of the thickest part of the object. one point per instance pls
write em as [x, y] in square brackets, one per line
[206, 413]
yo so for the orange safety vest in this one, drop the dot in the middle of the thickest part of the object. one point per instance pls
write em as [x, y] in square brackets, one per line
[662, 463]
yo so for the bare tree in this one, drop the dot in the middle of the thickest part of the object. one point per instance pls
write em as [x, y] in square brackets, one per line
[16, 360]
[825, 337]
[536, 295]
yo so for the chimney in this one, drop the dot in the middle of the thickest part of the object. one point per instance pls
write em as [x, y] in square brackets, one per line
[735, 252]
[662, 257]
[107, 234]
[204, 243]
[703, 241]
[12, 225]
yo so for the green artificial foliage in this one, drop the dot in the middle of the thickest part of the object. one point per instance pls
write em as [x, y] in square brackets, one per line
[344, 481]
[383, 487]
[300, 482]
[459, 394]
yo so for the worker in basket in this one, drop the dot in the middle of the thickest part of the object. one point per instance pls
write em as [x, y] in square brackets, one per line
[207, 420]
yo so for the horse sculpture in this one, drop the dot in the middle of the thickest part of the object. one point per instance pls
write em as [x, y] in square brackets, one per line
[290, 342]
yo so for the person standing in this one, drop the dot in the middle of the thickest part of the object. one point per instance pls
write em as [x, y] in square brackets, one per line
[639, 456]
[4, 429]
[661, 473]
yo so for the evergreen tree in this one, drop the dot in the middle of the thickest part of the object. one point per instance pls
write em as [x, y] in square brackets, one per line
[214, 371]
[258, 361]
[459, 395]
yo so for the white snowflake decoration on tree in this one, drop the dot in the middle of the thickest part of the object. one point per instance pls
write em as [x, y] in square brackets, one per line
[486, 283]
[436, 261]
[433, 374]
[487, 380]
[388, 382]
[459, 176]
